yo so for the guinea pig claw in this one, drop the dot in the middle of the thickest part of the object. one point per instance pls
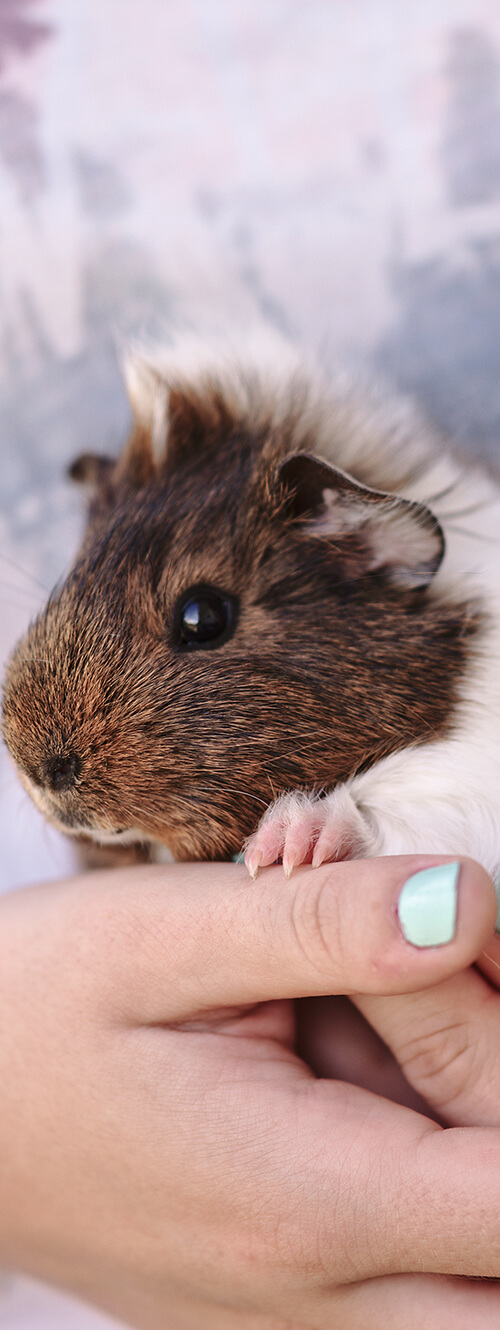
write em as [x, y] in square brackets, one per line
[319, 855]
[289, 862]
[253, 861]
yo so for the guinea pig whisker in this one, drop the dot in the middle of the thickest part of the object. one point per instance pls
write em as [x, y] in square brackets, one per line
[164, 822]
[443, 494]
[474, 535]
[29, 576]
[303, 751]
[18, 590]
[247, 794]
[469, 511]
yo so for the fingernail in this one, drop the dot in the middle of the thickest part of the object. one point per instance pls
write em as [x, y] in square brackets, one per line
[427, 906]
[496, 884]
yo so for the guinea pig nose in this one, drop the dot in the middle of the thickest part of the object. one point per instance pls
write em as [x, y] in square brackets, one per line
[61, 772]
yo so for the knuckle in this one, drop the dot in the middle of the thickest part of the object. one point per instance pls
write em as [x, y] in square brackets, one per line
[441, 1060]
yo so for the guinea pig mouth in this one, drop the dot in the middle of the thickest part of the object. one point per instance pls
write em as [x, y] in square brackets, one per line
[73, 822]
[101, 835]
[122, 836]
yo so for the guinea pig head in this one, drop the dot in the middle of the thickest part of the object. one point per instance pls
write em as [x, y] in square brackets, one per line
[242, 619]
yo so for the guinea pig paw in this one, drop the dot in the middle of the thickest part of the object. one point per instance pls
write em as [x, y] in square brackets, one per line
[312, 829]
[344, 832]
[288, 831]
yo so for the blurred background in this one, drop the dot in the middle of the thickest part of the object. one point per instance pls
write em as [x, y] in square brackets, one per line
[331, 166]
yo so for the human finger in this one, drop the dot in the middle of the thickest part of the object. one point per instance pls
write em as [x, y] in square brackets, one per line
[410, 1302]
[194, 937]
[446, 1040]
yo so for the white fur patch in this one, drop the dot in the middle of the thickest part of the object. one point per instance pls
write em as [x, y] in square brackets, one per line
[265, 378]
[259, 381]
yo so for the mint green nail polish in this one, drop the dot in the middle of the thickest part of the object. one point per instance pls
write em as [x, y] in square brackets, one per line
[427, 906]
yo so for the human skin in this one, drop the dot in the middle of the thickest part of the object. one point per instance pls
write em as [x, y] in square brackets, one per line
[165, 1152]
[439, 1037]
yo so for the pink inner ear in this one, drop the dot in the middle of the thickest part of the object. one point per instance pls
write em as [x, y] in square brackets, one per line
[400, 536]
[410, 547]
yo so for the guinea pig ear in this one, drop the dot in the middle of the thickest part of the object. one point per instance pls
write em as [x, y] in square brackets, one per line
[174, 417]
[91, 470]
[148, 395]
[397, 536]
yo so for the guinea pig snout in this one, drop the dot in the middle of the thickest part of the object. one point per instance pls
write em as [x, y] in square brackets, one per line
[61, 772]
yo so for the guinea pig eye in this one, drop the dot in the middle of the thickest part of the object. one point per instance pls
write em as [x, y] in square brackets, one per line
[205, 617]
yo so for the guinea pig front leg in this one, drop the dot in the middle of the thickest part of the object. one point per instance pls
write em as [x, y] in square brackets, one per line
[302, 828]
[438, 798]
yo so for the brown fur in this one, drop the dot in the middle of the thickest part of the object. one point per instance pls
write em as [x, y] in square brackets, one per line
[331, 666]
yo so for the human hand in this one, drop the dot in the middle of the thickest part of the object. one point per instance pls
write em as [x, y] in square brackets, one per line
[167, 1155]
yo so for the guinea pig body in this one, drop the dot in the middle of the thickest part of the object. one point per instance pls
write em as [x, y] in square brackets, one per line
[282, 626]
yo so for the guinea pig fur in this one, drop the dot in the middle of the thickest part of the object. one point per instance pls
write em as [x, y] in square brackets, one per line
[282, 627]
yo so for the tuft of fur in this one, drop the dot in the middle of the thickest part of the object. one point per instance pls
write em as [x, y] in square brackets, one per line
[362, 667]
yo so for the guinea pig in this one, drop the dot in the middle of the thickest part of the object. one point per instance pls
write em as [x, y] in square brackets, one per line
[281, 628]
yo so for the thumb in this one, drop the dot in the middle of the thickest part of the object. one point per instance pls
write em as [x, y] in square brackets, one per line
[169, 942]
